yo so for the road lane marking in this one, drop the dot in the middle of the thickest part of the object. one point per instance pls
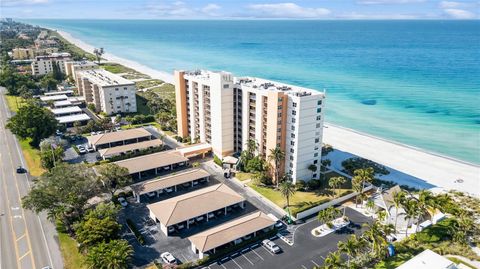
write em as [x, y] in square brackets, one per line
[316, 264]
[24, 255]
[269, 252]
[22, 236]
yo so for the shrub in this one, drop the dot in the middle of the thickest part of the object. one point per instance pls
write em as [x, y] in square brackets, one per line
[313, 184]
[136, 232]
[217, 161]
[316, 232]
[352, 164]
[329, 224]
[300, 185]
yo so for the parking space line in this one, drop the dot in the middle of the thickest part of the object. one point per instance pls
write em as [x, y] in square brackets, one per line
[20, 237]
[316, 264]
[304, 267]
[257, 254]
[186, 260]
[24, 255]
[237, 263]
[247, 258]
[269, 252]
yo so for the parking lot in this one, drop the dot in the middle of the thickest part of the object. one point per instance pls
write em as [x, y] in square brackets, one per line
[307, 251]
[71, 156]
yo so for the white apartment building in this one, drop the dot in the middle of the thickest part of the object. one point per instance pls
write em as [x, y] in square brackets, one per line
[71, 67]
[205, 108]
[109, 92]
[43, 65]
[270, 113]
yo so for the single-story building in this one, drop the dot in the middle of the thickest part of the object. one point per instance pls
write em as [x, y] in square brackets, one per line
[65, 111]
[153, 163]
[120, 150]
[195, 150]
[428, 259]
[231, 232]
[191, 176]
[62, 103]
[66, 92]
[68, 121]
[196, 206]
[118, 138]
[53, 98]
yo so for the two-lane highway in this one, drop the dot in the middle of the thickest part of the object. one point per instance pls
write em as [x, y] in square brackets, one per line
[27, 240]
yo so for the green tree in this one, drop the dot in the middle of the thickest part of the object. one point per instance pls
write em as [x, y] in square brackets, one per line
[336, 182]
[113, 177]
[349, 247]
[98, 225]
[398, 200]
[62, 192]
[116, 254]
[98, 53]
[48, 82]
[57, 72]
[411, 211]
[377, 237]
[333, 261]
[50, 154]
[276, 156]
[287, 190]
[256, 164]
[365, 175]
[33, 121]
[328, 214]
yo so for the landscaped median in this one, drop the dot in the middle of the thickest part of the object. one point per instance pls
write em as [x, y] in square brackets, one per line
[32, 157]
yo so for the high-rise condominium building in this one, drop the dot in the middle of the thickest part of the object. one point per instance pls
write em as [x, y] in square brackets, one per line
[270, 113]
[71, 67]
[109, 92]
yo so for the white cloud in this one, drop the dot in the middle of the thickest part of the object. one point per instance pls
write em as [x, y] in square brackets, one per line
[287, 10]
[450, 4]
[12, 3]
[383, 2]
[361, 16]
[211, 9]
[180, 9]
[459, 13]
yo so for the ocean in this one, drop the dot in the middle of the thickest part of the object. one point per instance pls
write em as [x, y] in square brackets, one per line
[413, 82]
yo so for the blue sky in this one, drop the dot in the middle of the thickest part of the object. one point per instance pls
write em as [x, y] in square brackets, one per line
[237, 9]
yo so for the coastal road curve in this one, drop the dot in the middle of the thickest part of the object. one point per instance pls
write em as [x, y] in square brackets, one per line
[27, 240]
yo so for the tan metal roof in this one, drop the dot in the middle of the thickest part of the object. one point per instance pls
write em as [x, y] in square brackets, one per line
[117, 136]
[231, 231]
[170, 181]
[194, 204]
[130, 147]
[151, 161]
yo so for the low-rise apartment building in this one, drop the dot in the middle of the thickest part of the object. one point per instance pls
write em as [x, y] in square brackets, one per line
[43, 65]
[227, 112]
[30, 53]
[109, 92]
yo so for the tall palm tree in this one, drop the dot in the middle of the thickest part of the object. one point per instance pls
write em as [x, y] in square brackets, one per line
[276, 156]
[287, 190]
[333, 261]
[349, 247]
[375, 236]
[411, 211]
[335, 183]
[364, 175]
[398, 199]
[370, 205]
[357, 187]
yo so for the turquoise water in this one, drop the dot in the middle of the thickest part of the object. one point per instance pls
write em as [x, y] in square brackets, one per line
[414, 82]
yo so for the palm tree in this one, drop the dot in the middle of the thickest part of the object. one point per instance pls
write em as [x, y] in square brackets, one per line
[411, 211]
[357, 187]
[370, 205]
[287, 190]
[336, 182]
[349, 247]
[374, 234]
[98, 52]
[276, 156]
[398, 199]
[115, 254]
[328, 214]
[365, 175]
[333, 261]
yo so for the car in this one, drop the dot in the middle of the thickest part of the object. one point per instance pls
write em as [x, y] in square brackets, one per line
[93, 133]
[220, 212]
[271, 246]
[180, 226]
[195, 183]
[247, 237]
[186, 185]
[171, 229]
[203, 180]
[58, 133]
[168, 190]
[198, 219]
[190, 221]
[168, 258]
[211, 215]
[73, 138]
[21, 170]
[82, 150]
[122, 201]
[160, 191]
[151, 194]
[279, 225]
[90, 149]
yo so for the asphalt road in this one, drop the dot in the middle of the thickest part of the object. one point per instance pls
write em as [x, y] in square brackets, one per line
[27, 240]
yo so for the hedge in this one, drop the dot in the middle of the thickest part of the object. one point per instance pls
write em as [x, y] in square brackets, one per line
[136, 232]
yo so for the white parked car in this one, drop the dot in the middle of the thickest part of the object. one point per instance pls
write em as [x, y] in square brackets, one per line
[151, 194]
[82, 149]
[169, 190]
[180, 226]
[122, 201]
[272, 247]
[171, 229]
[90, 149]
[167, 257]
[198, 219]
[211, 215]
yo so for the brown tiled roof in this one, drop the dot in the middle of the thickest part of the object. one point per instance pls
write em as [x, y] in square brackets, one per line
[118, 136]
[130, 147]
[151, 161]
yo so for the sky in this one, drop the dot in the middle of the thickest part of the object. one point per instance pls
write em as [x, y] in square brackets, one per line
[238, 9]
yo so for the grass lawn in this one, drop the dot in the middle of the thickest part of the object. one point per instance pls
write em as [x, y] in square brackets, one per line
[300, 201]
[118, 68]
[12, 102]
[131, 126]
[167, 90]
[32, 157]
[148, 83]
[243, 176]
[72, 259]
[394, 262]
[458, 261]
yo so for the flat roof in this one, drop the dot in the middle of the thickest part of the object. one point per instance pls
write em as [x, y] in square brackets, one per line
[152, 161]
[62, 103]
[73, 118]
[169, 181]
[194, 204]
[230, 231]
[117, 136]
[54, 97]
[103, 77]
[65, 110]
[129, 147]
[58, 92]
[428, 260]
[194, 149]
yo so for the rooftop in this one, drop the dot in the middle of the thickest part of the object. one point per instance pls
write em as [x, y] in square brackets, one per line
[54, 55]
[205, 74]
[83, 63]
[117, 136]
[428, 260]
[231, 231]
[152, 161]
[269, 85]
[169, 181]
[53, 98]
[59, 92]
[103, 77]
[66, 110]
[73, 118]
[62, 103]
[130, 147]
[194, 204]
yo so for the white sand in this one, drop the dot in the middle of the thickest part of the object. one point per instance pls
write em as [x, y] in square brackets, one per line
[408, 165]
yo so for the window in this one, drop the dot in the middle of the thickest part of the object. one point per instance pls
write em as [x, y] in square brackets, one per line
[225, 86]
[292, 151]
[294, 104]
[294, 112]
[279, 129]
[291, 158]
[318, 125]
[293, 120]
[293, 127]
[319, 102]
[317, 140]
[319, 110]
[292, 143]
[279, 115]
[319, 117]
[279, 99]
[315, 155]
[279, 107]
[116, 89]
[292, 135]
[315, 162]
[315, 175]
[291, 165]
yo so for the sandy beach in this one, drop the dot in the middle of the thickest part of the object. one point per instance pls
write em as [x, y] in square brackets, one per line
[407, 165]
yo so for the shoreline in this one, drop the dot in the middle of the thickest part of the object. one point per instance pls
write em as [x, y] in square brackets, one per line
[409, 165]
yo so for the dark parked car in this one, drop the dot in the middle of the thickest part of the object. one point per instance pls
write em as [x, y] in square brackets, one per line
[21, 170]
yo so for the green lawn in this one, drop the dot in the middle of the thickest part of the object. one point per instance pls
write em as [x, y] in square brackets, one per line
[118, 68]
[148, 83]
[72, 259]
[458, 261]
[12, 102]
[32, 157]
[131, 126]
[167, 90]
[243, 176]
[300, 201]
